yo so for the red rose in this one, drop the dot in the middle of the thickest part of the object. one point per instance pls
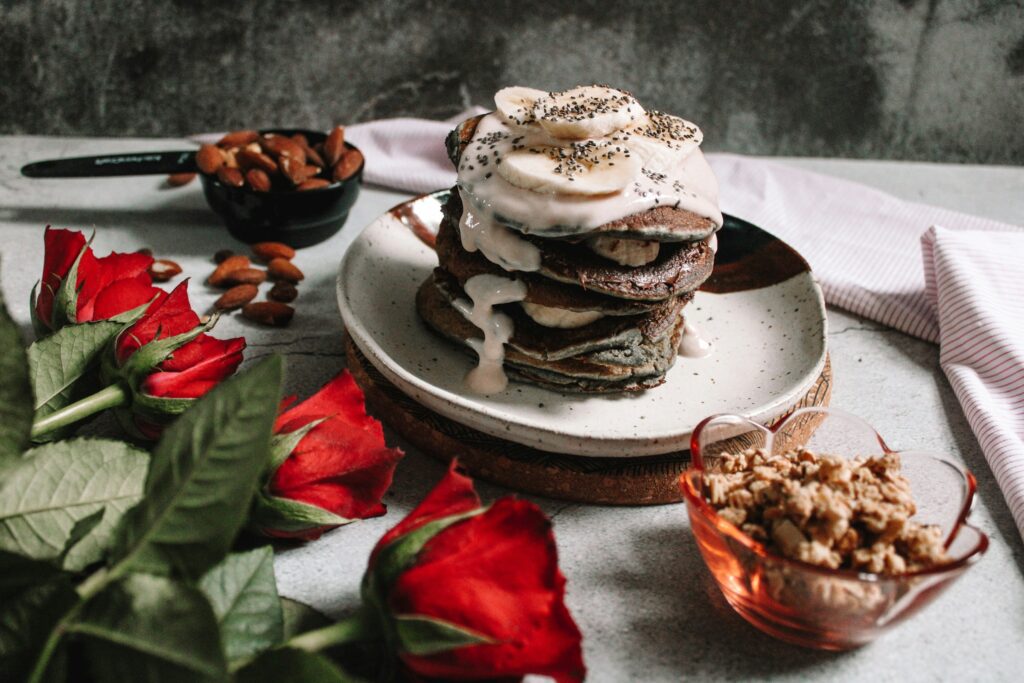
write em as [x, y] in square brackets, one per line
[483, 581]
[165, 357]
[334, 465]
[103, 288]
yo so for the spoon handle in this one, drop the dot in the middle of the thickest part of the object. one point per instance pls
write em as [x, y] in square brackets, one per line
[129, 163]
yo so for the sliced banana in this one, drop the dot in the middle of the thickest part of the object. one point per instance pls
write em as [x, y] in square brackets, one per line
[515, 104]
[582, 168]
[590, 111]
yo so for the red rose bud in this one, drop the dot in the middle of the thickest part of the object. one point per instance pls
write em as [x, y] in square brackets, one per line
[77, 287]
[474, 593]
[166, 361]
[330, 465]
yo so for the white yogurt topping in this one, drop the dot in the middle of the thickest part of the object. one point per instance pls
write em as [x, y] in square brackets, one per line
[487, 291]
[691, 344]
[712, 242]
[625, 252]
[499, 244]
[549, 316]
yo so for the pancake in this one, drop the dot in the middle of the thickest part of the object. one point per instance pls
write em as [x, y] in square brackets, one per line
[679, 268]
[626, 361]
[660, 224]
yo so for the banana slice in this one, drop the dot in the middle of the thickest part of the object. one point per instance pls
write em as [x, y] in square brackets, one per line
[590, 111]
[582, 168]
[515, 104]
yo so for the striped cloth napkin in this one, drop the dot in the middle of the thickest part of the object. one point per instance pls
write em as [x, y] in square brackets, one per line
[961, 285]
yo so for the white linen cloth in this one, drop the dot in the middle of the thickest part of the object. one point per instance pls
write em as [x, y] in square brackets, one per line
[965, 292]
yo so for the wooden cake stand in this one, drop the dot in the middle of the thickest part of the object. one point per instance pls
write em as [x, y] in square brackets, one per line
[649, 480]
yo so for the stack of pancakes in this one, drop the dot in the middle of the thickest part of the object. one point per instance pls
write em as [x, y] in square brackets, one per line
[595, 316]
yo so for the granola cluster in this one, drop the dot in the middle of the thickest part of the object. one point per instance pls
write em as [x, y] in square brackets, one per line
[825, 509]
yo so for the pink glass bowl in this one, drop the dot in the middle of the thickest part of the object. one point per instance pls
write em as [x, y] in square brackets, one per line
[805, 604]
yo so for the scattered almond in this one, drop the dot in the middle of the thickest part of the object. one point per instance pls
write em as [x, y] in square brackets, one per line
[234, 262]
[258, 179]
[273, 313]
[222, 256]
[236, 297]
[246, 276]
[179, 179]
[283, 269]
[238, 138]
[209, 158]
[162, 270]
[312, 184]
[283, 291]
[267, 251]
[230, 176]
[349, 164]
[334, 145]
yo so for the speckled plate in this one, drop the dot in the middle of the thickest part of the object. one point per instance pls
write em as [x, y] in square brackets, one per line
[761, 310]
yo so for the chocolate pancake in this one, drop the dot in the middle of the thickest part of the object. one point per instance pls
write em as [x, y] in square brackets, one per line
[679, 267]
[661, 224]
[636, 364]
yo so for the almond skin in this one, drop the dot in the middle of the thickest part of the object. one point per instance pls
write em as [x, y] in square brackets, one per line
[283, 269]
[249, 158]
[230, 176]
[334, 145]
[312, 184]
[238, 138]
[282, 291]
[295, 171]
[280, 146]
[179, 179]
[162, 270]
[273, 313]
[348, 165]
[246, 276]
[209, 158]
[220, 275]
[236, 297]
[258, 179]
[268, 251]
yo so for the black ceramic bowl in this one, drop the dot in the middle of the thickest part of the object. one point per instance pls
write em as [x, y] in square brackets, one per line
[295, 218]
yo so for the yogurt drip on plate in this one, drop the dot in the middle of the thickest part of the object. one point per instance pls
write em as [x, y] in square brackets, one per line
[485, 292]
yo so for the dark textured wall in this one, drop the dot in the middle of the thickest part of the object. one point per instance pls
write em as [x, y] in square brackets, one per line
[911, 79]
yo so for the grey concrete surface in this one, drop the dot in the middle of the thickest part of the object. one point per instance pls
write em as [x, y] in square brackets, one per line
[644, 601]
[937, 80]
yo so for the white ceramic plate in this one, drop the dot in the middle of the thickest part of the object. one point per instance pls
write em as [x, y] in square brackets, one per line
[766, 323]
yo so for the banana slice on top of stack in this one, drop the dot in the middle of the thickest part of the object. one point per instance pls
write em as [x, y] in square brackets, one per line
[580, 227]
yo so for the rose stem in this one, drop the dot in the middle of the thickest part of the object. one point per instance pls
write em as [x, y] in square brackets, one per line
[110, 397]
[359, 627]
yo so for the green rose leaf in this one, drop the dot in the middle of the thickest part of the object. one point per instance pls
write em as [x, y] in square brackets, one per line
[300, 617]
[26, 620]
[425, 636]
[286, 515]
[293, 666]
[204, 473]
[15, 390]
[57, 485]
[61, 365]
[243, 593]
[151, 628]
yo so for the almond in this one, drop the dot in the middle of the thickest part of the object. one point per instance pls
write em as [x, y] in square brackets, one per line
[268, 251]
[223, 255]
[280, 146]
[249, 158]
[313, 157]
[273, 313]
[230, 176]
[334, 145]
[283, 269]
[145, 251]
[300, 140]
[179, 179]
[237, 138]
[297, 171]
[220, 275]
[231, 157]
[246, 276]
[209, 158]
[349, 165]
[283, 291]
[258, 179]
[236, 297]
[312, 184]
[162, 270]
